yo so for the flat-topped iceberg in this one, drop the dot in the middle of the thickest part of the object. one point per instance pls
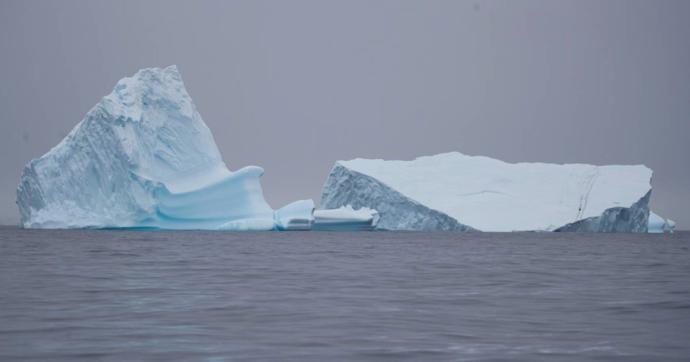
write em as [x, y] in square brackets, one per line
[142, 157]
[453, 191]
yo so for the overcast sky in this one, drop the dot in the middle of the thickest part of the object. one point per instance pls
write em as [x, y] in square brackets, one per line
[293, 86]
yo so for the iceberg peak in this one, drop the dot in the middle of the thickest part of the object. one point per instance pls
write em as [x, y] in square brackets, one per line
[141, 157]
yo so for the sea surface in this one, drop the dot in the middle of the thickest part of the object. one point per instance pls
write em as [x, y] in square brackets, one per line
[371, 296]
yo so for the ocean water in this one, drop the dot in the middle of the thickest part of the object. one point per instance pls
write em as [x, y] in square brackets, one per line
[378, 296]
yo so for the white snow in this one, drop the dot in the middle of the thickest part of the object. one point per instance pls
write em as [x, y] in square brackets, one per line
[452, 191]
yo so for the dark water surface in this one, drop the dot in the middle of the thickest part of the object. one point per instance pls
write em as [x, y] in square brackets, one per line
[213, 296]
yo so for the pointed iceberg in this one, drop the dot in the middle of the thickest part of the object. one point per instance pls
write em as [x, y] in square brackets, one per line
[142, 157]
[453, 191]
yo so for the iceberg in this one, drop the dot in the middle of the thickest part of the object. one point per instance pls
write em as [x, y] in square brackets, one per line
[142, 158]
[658, 224]
[453, 191]
[345, 218]
[302, 215]
[298, 215]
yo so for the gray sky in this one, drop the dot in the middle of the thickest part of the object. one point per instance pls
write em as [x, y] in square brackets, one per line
[293, 86]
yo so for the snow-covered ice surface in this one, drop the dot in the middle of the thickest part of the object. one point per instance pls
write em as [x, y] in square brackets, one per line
[452, 191]
[142, 157]
[345, 218]
[298, 215]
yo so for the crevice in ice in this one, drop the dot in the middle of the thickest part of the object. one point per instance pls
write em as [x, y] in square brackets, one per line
[588, 182]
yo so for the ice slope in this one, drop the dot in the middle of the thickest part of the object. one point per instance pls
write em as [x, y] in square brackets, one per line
[452, 191]
[142, 157]
[658, 224]
[345, 218]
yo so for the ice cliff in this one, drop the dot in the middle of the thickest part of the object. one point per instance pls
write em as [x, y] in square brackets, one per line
[453, 191]
[142, 157]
